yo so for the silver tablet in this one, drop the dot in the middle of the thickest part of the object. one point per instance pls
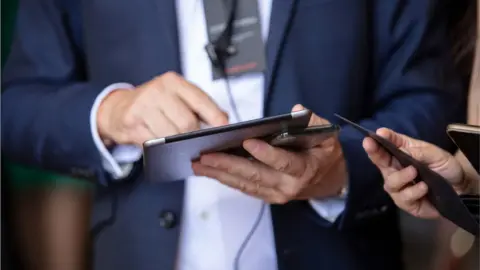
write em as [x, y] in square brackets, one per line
[170, 158]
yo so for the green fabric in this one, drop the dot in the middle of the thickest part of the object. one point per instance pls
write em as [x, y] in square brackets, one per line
[23, 177]
[20, 176]
[8, 19]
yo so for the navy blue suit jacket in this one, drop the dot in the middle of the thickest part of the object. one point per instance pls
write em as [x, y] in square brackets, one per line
[383, 63]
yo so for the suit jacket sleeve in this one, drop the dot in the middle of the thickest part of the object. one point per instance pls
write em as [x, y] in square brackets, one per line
[47, 99]
[415, 89]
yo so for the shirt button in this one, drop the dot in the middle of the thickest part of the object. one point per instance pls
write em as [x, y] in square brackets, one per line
[167, 219]
[204, 215]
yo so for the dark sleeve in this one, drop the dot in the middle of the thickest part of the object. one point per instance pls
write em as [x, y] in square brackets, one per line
[46, 100]
[416, 92]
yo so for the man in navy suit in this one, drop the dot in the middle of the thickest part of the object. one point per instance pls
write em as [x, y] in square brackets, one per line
[79, 99]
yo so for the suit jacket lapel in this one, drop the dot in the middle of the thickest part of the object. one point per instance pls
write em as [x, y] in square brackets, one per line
[169, 34]
[281, 14]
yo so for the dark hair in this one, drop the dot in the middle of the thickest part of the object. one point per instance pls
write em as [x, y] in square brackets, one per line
[463, 34]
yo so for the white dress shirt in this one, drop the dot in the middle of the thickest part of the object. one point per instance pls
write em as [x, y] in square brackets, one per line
[216, 218]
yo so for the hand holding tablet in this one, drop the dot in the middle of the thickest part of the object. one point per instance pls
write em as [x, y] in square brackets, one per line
[170, 158]
[277, 159]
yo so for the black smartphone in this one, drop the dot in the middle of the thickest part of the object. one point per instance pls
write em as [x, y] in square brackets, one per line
[296, 139]
[302, 139]
[467, 139]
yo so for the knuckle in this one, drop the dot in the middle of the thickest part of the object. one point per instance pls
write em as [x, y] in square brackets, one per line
[254, 176]
[169, 75]
[147, 95]
[130, 120]
[230, 169]
[394, 181]
[187, 125]
[388, 185]
[407, 195]
[283, 165]
[242, 186]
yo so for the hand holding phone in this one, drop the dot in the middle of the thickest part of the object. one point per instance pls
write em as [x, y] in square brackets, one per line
[297, 139]
[441, 194]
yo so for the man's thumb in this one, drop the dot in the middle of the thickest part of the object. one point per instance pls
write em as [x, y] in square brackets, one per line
[297, 108]
[315, 120]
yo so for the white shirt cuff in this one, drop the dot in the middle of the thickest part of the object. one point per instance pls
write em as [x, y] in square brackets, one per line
[119, 162]
[329, 208]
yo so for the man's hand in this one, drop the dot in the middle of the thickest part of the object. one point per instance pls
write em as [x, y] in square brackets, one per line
[398, 181]
[164, 106]
[279, 176]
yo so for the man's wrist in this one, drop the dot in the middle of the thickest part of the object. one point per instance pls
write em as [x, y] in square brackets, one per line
[342, 176]
[105, 111]
[113, 161]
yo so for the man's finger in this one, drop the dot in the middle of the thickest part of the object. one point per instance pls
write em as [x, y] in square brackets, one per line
[315, 120]
[179, 113]
[412, 194]
[397, 181]
[427, 154]
[377, 154]
[277, 158]
[202, 104]
[158, 123]
[252, 171]
[141, 135]
[233, 181]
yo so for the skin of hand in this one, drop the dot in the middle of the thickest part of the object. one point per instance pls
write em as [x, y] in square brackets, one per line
[398, 180]
[279, 176]
[166, 105]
